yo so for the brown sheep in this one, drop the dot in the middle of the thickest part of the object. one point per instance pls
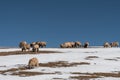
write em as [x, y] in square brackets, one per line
[26, 47]
[33, 62]
[78, 44]
[41, 44]
[35, 48]
[32, 44]
[114, 44]
[63, 46]
[66, 45]
[21, 44]
[106, 45]
[86, 44]
[72, 44]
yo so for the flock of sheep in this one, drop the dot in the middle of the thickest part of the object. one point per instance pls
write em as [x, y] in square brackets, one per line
[36, 45]
[112, 44]
[76, 44]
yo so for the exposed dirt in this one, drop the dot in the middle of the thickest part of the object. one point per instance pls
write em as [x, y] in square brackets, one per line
[117, 57]
[28, 73]
[87, 76]
[58, 79]
[91, 57]
[62, 64]
[12, 70]
[112, 59]
[20, 71]
[91, 52]
[27, 52]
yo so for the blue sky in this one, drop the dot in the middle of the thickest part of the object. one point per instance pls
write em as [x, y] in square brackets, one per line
[58, 21]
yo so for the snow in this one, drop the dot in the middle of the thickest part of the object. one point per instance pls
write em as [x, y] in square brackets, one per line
[9, 49]
[108, 61]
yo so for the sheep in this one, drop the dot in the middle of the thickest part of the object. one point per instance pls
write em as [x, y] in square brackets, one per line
[63, 46]
[35, 48]
[33, 62]
[32, 44]
[41, 44]
[78, 44]
[72, 44]
[86, 44]
[106, 45]
[66, 45]
[21, 44]
[24, 46]
[114, 44]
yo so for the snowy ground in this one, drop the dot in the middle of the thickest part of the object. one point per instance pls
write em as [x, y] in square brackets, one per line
[101, 60]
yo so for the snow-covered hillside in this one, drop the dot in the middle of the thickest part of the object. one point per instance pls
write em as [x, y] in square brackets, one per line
[83, 63]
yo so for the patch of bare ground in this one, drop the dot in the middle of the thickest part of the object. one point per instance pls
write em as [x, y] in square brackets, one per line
[3, 66]
[112, 59]
[58, 79]
[62, 64]
[28, 73]
[12, 70]
[20, 71]
[27, 52]
[87, 76]
[91, 52]
[117, 57]
[91, 57]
